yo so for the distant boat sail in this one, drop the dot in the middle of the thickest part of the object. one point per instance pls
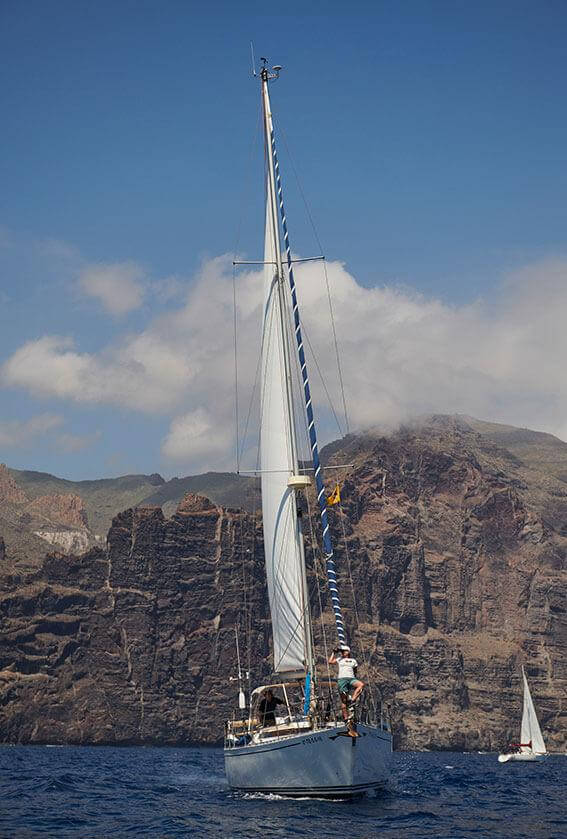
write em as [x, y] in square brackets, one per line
[531, 745]
[308, 747]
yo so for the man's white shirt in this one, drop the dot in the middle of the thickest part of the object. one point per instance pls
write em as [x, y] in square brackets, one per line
[346, 667]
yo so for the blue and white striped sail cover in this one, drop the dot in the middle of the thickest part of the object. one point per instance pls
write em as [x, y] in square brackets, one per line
[281, 527]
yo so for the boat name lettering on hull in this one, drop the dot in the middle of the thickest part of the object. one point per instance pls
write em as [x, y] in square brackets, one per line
[313, 739]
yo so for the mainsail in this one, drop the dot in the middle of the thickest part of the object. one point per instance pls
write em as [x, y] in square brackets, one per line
[282, 544]
[531, 732]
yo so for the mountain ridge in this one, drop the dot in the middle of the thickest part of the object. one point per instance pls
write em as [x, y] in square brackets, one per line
[104, 498]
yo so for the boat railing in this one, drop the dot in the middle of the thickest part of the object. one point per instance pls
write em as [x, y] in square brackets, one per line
[324, 710]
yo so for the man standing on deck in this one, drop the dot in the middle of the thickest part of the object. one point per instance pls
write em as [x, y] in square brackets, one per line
[267, 707]
[347, 680]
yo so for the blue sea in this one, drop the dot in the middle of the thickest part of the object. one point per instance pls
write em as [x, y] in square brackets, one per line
[90, 792]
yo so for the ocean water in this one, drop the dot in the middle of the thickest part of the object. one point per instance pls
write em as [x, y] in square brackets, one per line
[90, 792]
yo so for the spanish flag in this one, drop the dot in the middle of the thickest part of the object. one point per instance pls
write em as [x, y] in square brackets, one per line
[334, 497]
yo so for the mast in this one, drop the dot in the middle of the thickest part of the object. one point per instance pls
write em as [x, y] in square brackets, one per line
[317, 467]
[296, 480]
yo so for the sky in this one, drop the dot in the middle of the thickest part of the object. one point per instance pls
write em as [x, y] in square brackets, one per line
[427, 141]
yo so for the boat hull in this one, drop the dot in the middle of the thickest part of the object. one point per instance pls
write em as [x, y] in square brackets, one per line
[520, 756]
[324, 763]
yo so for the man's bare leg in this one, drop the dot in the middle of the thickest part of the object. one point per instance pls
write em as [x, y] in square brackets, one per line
[358, 688]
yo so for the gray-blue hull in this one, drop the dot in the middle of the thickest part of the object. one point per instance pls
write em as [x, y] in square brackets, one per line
[320, 763]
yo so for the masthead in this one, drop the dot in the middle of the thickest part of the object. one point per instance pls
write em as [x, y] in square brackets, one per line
[266, 74]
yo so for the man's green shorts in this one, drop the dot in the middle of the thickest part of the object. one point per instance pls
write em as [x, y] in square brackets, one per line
[346, 684]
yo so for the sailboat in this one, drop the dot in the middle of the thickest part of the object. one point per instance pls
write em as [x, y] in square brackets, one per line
[306, 747]
[531, 745]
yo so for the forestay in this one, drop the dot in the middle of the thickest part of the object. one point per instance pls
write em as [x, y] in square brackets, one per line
[281, 530]
[531, 732]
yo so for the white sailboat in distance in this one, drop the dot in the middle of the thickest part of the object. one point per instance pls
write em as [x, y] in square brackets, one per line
[303, 746]
[531, 745]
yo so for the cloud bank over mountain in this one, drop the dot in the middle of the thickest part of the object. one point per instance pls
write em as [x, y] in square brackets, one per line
[402, 354]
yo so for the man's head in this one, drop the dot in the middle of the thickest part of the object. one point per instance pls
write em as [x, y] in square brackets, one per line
[344, 650]
[268, 694]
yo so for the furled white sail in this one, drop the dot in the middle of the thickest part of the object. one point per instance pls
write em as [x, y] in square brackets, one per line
[281, 532]
[531, 732]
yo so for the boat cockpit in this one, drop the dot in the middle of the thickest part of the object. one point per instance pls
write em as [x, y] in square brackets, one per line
[292, 717]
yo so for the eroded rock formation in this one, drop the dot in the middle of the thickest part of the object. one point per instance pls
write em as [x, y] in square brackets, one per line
[58, 519]
[455, 550]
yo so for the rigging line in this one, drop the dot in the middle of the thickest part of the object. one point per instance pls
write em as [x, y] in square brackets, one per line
[355, 607]
[300, 417]
[247, 602]
[300, 620]
[303, 421]
[321, 499]
[279, 587]
[249, 616]
[303, 439]
[214, 654]
[314, 544]
[253, 147]
[323, 382]
[278, 581]
[215, 649]
[255, 512]
[248, 177]
[336, 343]
[316, 570]
[256, 377]
[269, 329]
[250, 406]
[243, 565]
[272, 333]
[235, 324]
[258, 367]
[321, 249]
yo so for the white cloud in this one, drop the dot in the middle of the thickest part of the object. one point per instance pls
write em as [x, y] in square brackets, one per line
[71, 443]
[20, 434]
[195, 435]
[402, 355]
[144, 373]
[119, 287]
[167, 289]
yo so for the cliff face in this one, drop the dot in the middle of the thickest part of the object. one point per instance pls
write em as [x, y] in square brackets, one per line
[458, 552]
[10, 492]
[134, 643]
[455, 550]
[28, 523]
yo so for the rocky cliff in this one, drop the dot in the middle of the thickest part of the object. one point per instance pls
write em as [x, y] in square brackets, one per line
[452, 554]
[28, 523]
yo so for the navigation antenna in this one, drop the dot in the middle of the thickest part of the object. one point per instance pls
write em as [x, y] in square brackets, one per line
[265, 73]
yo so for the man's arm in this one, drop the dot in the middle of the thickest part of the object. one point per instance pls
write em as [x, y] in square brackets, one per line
[333, 657]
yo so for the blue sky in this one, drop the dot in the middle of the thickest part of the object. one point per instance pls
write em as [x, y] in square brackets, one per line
[430, 139]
